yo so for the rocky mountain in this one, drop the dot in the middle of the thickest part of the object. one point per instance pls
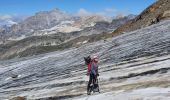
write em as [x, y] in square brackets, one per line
[151, 15]
[6, 21]
[54, 21]
[49, 22]
[41, 20]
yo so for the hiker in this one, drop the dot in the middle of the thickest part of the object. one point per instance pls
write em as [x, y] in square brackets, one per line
[92, 71]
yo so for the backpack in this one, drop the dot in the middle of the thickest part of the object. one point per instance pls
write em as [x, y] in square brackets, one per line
[87, 60]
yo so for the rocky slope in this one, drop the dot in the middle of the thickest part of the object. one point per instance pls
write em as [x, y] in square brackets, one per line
[134, 65]
[151, 15]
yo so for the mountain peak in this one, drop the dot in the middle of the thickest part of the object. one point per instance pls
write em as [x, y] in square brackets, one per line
[56, 10]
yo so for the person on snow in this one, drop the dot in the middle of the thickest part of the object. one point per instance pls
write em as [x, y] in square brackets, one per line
[92, 71]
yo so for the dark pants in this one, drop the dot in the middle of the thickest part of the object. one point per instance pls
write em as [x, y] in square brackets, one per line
[92, 78]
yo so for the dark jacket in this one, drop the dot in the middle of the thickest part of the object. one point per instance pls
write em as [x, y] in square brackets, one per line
[94, 68]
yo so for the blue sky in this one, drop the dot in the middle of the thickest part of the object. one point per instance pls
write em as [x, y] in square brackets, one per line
[107, 7]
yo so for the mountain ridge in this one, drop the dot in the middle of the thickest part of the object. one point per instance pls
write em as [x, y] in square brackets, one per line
[151, 15]
[48, 19]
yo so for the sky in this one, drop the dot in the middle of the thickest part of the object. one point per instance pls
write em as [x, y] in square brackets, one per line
[105, 7]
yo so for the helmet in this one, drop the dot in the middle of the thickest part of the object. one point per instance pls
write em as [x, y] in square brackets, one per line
[95, 58]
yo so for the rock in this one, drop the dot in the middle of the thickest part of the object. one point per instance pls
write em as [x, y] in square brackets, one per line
[14, 76]
[18, 98]
[166, 14]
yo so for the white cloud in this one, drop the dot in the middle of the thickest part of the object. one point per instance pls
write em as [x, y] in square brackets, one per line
[110, 10]
[83, 12]
[115, 12]
[5, 17]
[10, 22]
[10, 19]
[106, 12]
[119, 15]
